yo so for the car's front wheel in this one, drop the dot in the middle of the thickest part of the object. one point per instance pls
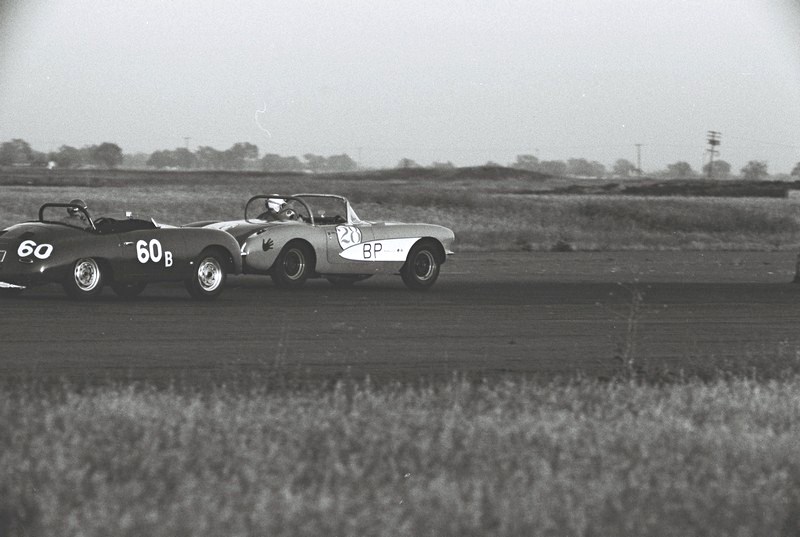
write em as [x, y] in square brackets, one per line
[422, 267]
[85, 280]
[293, 266]
[208, 277]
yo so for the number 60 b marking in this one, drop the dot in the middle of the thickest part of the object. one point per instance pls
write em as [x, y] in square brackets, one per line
[152, 251]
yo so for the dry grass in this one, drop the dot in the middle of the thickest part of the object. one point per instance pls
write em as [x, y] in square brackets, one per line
[508, 457]
[481, 220]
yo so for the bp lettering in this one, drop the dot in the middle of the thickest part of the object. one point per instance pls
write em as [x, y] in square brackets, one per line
[371, 250]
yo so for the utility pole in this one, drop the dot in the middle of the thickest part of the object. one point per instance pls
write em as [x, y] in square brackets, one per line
[639, 159]
[186, 139]
[713, 142]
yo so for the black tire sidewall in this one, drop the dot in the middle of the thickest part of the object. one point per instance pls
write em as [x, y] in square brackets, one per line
[408, 274]
[279, 275]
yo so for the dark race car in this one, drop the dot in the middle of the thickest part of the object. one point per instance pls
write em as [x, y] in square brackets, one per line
[65, 245]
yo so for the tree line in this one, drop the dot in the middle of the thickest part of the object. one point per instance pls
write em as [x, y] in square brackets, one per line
[245, 156]
[754, 170]
[18, 152]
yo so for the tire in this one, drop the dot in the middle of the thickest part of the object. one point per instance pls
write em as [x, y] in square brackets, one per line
[208, 278]
[293, 266]
[85, 280]
[128, 290]
[422, 267]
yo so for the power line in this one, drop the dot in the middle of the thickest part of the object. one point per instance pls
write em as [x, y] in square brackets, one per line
[713, 142]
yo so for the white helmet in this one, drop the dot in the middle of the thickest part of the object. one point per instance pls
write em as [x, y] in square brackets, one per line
[276, 204]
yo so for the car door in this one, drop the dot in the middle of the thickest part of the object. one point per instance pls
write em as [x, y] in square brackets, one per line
[347, 244]
[153, 254]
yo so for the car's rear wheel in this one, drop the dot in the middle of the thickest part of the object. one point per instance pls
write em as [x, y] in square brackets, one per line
[293, 266]
[208, 278]
[422, 267]
[85, 280]
[128, 290]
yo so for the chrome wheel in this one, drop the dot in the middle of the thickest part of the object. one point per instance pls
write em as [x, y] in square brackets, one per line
[87, 275]
[210, 274]
[86, 279]
[208, 277]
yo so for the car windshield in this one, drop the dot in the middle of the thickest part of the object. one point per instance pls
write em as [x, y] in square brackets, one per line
[326, 209]
[65, 215]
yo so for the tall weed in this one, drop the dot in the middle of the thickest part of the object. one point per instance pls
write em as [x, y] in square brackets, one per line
[502, 457]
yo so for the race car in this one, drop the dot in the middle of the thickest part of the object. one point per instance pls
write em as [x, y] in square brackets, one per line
[295, 237]
[65, 245]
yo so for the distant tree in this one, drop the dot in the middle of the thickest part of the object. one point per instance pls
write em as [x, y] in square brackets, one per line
[184, 158]
[315, 163]
[557, 168]
[67, 157]
[161, 159]
[526, 162]
[239, 155]
[796, 170]
[624, 168]
[17, 151]
[276, 163]
[39, 158]
[720, 170]
[443, 165]
[583, 168]
[135, 160]
[246, 150]
[107, 154]
[680, 170]
[209, 158]
[87, 153]
[407, 163]
[492, 164]
[340, 163]
[755, 170]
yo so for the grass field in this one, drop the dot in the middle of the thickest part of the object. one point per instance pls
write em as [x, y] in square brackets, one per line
[507, 457]
[494, 213]
[635, 455]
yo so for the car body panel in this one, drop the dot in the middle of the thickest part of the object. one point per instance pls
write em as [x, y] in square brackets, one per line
[134, 250]
[342, 245]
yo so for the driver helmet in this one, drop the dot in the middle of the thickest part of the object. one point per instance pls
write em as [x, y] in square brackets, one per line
[78, 202]
[276, 204]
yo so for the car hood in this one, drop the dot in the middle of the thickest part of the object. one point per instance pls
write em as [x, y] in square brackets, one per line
[242, 229]
[28, 230]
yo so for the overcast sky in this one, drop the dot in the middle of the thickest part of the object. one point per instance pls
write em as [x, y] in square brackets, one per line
[466, 81]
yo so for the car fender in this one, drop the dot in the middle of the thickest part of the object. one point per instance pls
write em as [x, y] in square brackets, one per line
[261, 248]
[45, 253]
[199, 239]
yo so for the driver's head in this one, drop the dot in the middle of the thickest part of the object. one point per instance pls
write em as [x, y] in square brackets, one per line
[80, 203]
[276, 204]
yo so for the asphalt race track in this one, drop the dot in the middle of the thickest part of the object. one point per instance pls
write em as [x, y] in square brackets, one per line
[538, 313]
